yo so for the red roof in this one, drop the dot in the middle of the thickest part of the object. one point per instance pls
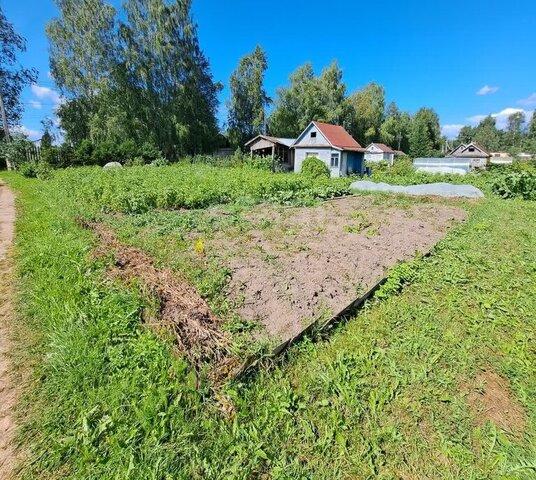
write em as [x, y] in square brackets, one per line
[384, 148]
[338, 136]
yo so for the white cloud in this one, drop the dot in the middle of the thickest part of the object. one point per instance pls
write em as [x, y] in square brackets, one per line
[529, 101]
[451, 131]
[45, 93]
[36, 104]
[486, 90]
[501, 117]
[29, 132]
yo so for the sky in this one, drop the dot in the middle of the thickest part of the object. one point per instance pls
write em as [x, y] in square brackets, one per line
[464, 58]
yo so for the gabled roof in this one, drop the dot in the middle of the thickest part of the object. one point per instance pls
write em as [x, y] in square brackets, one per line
[336, 135]
[282, 141]
[384, 148]
[462, 150]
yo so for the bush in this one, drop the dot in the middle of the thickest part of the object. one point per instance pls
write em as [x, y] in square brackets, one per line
[315, 168]
[516, 185]
[403, 166]
[84, 153]
[35, 169]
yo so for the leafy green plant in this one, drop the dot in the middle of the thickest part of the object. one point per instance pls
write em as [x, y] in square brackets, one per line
[315, 168]
[35, 169]
[516, 185]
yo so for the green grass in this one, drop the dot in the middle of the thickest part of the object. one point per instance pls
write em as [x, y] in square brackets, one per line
[379, 398]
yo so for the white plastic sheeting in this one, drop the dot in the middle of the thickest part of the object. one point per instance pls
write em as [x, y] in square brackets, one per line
[437, 189]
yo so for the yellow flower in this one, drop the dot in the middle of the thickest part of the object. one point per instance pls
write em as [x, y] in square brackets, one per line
[200, 247]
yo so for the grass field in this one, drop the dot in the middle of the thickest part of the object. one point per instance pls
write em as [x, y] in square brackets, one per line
[435, 381]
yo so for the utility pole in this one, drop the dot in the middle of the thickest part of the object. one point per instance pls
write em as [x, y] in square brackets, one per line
[6, 129]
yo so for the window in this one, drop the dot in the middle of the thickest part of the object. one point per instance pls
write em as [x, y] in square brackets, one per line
[471, 149]
[335, 160]
[311, 154]
[313, 134]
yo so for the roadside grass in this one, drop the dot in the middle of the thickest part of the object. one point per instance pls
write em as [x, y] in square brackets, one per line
[382, 397]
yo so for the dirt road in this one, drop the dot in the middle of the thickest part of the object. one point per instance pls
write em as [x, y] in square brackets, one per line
[8, 385]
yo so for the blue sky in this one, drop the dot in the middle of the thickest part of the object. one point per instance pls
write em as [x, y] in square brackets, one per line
[466, 59]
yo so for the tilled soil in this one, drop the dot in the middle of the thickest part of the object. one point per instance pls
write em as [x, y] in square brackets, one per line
[302, 263]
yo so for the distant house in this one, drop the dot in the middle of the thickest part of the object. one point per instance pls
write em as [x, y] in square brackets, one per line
[378, 152]
[477, 155]
[469, 150]
[274, 147]
[333, 145]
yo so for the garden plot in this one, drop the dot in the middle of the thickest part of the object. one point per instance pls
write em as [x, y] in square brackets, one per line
[298, 265]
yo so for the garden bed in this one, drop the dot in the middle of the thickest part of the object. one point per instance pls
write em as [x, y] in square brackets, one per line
[299, 265]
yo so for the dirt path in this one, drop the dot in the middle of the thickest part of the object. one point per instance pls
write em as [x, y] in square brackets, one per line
[8, 385]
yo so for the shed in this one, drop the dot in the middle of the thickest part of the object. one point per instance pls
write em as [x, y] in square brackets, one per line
[275, 147]
[378, 152]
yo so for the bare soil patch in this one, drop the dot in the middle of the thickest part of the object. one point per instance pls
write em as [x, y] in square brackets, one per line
[197, 331]
[301, 264]
[490, 399]
[9, 385]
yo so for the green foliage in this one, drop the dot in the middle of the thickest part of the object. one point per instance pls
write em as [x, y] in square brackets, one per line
[381, 399]
[425, 136]
[315, 168]
[35, 169]
[400, 275]
[13, 78]
[308, 98]
[141, 189]
[367, 107]
[517, 185]
[123, 83]
[248, 102]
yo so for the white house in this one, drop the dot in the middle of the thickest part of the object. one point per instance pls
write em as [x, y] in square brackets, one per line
[379, 152]
[333, 145]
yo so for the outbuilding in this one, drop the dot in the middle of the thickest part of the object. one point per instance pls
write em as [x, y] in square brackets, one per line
[333, 145]
[274, 147]
[379, 152]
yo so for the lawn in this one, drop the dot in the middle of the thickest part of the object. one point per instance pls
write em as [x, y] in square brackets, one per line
[436, 380]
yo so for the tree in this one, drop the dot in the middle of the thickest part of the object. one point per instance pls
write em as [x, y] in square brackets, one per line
[367, 109]
[13, 77]
[425, 136]
[309, 98]
[515, 128]
[168, 73]
[83, 49]
[532, 127]
[139, 75]
[466, 135]
[396, 128]
[48, 137]
[248, 102]
[487, 135]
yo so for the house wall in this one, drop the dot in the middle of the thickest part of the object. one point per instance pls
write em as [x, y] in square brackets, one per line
[322, 153]
[306, 139]
[380, 156]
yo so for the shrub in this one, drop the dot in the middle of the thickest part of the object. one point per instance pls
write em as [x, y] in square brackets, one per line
[516, 185]
[403, 166]
[84, 153]
[106, 152]
[149, 153]
[35, 169]
[315, 168]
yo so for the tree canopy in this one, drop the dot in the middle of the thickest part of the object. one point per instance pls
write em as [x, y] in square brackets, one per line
[13, 77]
[307, 98]
[248, 102]
[137, 74]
